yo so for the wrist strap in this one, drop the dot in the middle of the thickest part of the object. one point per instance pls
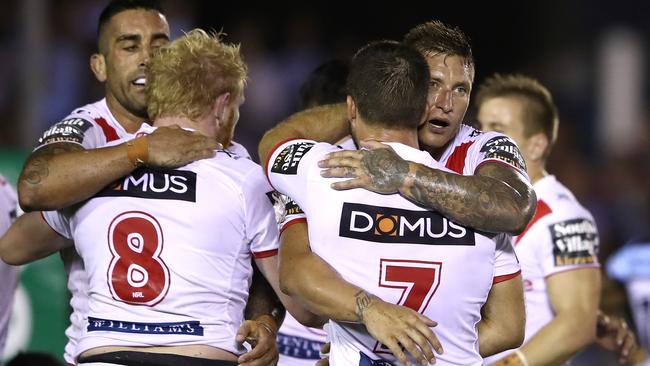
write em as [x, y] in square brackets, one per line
[138, 151]
[521, 357]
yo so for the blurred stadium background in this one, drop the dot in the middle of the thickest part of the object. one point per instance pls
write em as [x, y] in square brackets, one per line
[593, 56]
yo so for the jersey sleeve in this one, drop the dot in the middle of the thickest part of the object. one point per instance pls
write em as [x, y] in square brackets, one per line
[291, 163]
[287, 211]
[494, 147]
[78, 128]
[506, 264]
[58, 222]
[568, 244]
[260, 219]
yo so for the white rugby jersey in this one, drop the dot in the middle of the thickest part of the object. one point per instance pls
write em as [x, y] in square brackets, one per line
[469, 149]
[472, 148]
[167, 252]
[8, 274]
[562, 236]
[91, 126]
[394, 249]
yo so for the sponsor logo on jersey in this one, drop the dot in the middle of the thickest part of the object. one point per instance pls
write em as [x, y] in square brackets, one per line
[162, 184]
[109, 325]
[298, 347]
[574, 242]
[367, 361]
[287, 160]
[69, 130]
[475, 132]
[394, 225]
[503, 148]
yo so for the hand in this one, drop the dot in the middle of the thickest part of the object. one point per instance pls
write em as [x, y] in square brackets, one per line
[614, 335]
[379, 169]
[325, 350]
[400, 328]
[261, 337]
[172, 146]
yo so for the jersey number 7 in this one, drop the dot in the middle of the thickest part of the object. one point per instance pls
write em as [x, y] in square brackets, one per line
[418, 281]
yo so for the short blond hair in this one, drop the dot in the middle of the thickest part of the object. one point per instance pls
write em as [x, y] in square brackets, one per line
[541, 112]
[186, 76]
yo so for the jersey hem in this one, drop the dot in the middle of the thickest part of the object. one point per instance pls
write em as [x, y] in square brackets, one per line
[265, 254]
[505, 277]
[292, 222]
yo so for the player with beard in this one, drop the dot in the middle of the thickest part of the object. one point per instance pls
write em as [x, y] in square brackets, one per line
[170, 282]
[71, 162]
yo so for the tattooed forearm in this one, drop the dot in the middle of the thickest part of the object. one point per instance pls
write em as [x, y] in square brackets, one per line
[385, 169]
[494, 204]
[37, 166]
[364, 301]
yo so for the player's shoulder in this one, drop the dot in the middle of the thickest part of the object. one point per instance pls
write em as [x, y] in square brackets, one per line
[560, 201]
[238, 149]
[239, 169]
[75, 126]
[288, 155]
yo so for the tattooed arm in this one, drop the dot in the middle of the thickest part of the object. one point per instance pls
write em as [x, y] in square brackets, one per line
[307, 277]
[61, 174]
[495, 199]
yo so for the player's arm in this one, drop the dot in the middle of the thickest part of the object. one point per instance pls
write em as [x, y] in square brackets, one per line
[328, 123]
[264, 313]
[269, 266]
[501, 330]
[307, 277]
[497, 198]
[60, 174]
[574, 296]
[29, 238]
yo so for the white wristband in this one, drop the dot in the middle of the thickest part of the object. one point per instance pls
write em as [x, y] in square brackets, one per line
[522, 357]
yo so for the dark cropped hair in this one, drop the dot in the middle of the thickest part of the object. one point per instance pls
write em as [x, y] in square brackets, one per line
[117, 6]
[436, 37]
[325, 85]
[540, 111]
[388, 82]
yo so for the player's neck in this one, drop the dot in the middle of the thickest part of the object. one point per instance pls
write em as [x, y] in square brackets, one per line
[403, 136]
[536, 172]
[182, 122]
[130, 122]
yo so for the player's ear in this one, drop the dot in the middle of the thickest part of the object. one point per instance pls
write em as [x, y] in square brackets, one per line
[98, 66]
[537, 146]
[352, 108]
[219, 108]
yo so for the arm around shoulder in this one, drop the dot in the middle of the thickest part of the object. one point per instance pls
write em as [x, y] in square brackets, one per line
[328, 123]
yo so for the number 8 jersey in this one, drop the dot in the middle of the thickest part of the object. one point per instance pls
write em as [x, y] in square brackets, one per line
[396, 250]
[168, 252]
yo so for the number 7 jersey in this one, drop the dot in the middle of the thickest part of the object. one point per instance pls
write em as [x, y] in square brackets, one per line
[396, 250]
[168, 252]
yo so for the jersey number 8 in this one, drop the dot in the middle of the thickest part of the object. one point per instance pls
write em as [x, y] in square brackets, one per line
[137, 275]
